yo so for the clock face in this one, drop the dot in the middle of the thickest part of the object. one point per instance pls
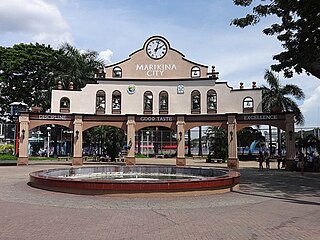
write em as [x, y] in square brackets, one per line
[156, 49]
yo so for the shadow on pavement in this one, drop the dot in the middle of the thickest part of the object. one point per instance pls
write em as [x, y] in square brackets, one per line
[281, 184]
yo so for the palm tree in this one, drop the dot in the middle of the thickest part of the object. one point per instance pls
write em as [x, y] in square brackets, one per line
[218, 141]
[110, 140]
[277, 97]
[77, 66]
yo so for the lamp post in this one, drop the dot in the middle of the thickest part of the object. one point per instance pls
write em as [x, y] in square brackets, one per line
[147, 132]
[48, 149]
[15, 109]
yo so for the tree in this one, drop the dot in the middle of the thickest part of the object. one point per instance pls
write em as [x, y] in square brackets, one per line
[77, 66]
[218, 142]
[278, 96]
[247, 135]
[297, 30]
[308, 141]
[26, 75]
[28, 72]
[111, 139]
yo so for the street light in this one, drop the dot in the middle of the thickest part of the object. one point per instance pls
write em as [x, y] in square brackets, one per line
[48, 149]
[147, 132]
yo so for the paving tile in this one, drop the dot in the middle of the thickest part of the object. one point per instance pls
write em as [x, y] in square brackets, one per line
[274, 204]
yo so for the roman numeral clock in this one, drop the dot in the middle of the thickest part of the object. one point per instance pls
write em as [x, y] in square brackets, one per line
[157, 49]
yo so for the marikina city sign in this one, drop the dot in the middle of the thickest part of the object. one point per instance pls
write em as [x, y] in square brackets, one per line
[157, 70]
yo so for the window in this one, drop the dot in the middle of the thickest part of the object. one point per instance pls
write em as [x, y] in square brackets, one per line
[64, 105]
[116, 102]
[1, 129]
[100, 102]
[211, 101]
[195, 72]
[195, 102]
[100, 73]
[147, 102]
[163, 102]
[117, 72]
[248, 104]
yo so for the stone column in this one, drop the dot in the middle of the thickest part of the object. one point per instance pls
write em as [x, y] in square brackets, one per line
[181, 159]
[233, 161]
[77, 141]
[290, 142]
[23, 157]
[131, 130]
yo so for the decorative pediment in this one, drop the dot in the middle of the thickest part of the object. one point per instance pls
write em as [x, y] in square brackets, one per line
[156, 60]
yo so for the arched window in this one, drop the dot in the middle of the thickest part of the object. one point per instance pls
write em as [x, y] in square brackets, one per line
[211, 101]
[116, 102]
[147, 102]
[117, 72]
[195, 102]
[100, 102]
[195, 72]
[163, 102]
[64, 105]
[247, 104]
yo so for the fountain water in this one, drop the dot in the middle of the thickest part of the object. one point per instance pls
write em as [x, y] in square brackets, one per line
[110, 179]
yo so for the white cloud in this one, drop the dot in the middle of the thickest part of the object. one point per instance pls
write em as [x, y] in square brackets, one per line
[54, 39]
[312, 101]
[106, 56]
[42, 20]
[310, 107]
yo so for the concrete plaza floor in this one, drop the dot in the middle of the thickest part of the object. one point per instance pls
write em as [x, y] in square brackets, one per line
[274, 204]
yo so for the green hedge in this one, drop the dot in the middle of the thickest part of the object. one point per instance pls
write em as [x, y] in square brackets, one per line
[40, 158]
[7, 157]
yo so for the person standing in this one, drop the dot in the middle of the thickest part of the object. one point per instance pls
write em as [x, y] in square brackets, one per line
[260, 160]
[301, 162]
[267, 158]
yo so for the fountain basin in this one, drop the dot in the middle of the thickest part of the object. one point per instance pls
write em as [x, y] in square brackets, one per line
[117, 179]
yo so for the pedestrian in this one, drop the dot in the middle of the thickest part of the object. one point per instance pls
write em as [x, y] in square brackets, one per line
[267, 158]
[300, 164]
[279, 160]
[260, 160]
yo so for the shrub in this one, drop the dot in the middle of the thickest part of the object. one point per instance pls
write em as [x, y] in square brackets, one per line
[7, 157]
[7, 148]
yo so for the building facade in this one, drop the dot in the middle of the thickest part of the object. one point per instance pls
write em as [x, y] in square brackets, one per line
[157, 86]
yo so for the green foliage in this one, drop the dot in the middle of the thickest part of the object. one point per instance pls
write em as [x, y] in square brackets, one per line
[140, 156]
[27, 75]
[218, 142]
[111, 138]
[75, 66]
[28, 72]
[297, 29]
[7, 148]
[277, 95]
[7, 157]
[40, 158]
[308, 141]
[247, 135]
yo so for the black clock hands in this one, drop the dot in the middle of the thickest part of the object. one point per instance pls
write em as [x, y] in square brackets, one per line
[157, 48]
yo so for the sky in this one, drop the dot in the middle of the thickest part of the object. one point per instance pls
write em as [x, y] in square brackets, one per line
[200, 30]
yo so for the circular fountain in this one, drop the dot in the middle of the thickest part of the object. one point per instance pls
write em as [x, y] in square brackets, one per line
[113, 179]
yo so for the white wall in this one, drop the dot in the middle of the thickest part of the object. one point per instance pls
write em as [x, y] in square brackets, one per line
[228, 100]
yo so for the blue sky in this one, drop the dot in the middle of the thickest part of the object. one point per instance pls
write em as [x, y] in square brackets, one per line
[115, 28]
